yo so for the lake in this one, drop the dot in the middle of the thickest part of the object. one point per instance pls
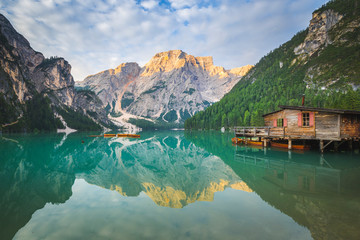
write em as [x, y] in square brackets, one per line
[173, 185]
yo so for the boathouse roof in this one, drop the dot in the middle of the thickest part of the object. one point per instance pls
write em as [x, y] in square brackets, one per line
[303, 108]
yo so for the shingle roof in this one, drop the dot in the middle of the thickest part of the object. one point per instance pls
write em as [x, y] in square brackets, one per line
[303, 108]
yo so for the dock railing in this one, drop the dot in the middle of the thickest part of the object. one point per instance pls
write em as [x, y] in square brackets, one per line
[252, 131]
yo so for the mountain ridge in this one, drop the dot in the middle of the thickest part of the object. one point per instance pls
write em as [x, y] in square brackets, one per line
[171, 87]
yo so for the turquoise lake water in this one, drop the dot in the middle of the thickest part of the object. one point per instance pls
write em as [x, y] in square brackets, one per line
[173, 185]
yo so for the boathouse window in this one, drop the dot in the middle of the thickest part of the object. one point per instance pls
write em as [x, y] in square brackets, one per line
[280, 122]
[306, 119]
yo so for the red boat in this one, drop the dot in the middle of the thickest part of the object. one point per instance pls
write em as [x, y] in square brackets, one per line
[285, 145]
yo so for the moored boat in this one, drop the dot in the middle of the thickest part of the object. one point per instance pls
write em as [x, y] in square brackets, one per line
[129, 135]
[109, 135]
[293, 146]
[256, 143]
[236, 140]
[122, 135]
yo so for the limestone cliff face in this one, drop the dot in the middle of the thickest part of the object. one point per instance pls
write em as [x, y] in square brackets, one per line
[171, 87]
[17, 62]
[319, 27]
[54, 75]
[25, 72]
[336, 36]
[110, 85]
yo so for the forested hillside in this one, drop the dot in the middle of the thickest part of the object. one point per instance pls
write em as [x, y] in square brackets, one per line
[321, 62]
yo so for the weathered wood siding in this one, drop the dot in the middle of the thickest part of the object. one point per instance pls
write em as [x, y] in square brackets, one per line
[292, 129]
[327, 125]
[350, 126]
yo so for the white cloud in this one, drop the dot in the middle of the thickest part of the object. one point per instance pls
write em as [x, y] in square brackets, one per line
[96, 35]
[149, 4]
[182, 3]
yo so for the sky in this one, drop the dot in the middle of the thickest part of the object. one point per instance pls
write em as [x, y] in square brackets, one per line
[95, 35]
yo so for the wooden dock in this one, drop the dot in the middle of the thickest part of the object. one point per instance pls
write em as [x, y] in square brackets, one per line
[267, 134]
[327, 127]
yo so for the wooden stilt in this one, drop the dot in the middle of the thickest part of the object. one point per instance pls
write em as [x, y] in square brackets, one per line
[336, 146]
[289, 144]
[322, 146]
[265, 142]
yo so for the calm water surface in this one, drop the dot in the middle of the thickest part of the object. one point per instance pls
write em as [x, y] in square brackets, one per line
[173, 185]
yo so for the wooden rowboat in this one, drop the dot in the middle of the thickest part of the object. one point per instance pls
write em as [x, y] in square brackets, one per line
[285, 145]
[256, 143]
[109, 135]
[129, 135]
[249, 142]
[122, 135]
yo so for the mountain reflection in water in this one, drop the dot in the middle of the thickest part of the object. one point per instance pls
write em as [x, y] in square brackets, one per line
[172, 171]
[176, 169]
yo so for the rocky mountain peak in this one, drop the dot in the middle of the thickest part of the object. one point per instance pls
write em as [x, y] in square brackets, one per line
[320, 24]
[20, 46]
[175, 59]
[165, 62]
[241, 71]
[123, 68]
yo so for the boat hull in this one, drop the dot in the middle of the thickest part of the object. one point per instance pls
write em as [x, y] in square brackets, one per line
[285, 145]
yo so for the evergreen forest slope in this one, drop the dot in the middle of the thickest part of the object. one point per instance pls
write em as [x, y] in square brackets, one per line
[321, 62]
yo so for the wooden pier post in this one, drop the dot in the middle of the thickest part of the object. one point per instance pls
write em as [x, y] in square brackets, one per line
[289, 144]
[265, 142]
[322, 146]
[336, 146]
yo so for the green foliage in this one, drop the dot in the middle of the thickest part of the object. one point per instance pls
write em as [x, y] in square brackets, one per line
[153, 89]
[261, 91]
[39, 114]
[116, 114]
[281, 78]
[344, 7]
[171, 116]
[190, 91]
[86, 92]
[77, 120]
[48, 61]
[127, 99]
[7, 112]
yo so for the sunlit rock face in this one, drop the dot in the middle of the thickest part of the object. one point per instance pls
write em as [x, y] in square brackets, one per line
[25, 72]
[56, 77]
[172, 171]
[110, 85]
[319, 27]
[17, 63]
[171, 87]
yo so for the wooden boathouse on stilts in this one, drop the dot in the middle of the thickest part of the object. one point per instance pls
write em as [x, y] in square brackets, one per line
[305, 126]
